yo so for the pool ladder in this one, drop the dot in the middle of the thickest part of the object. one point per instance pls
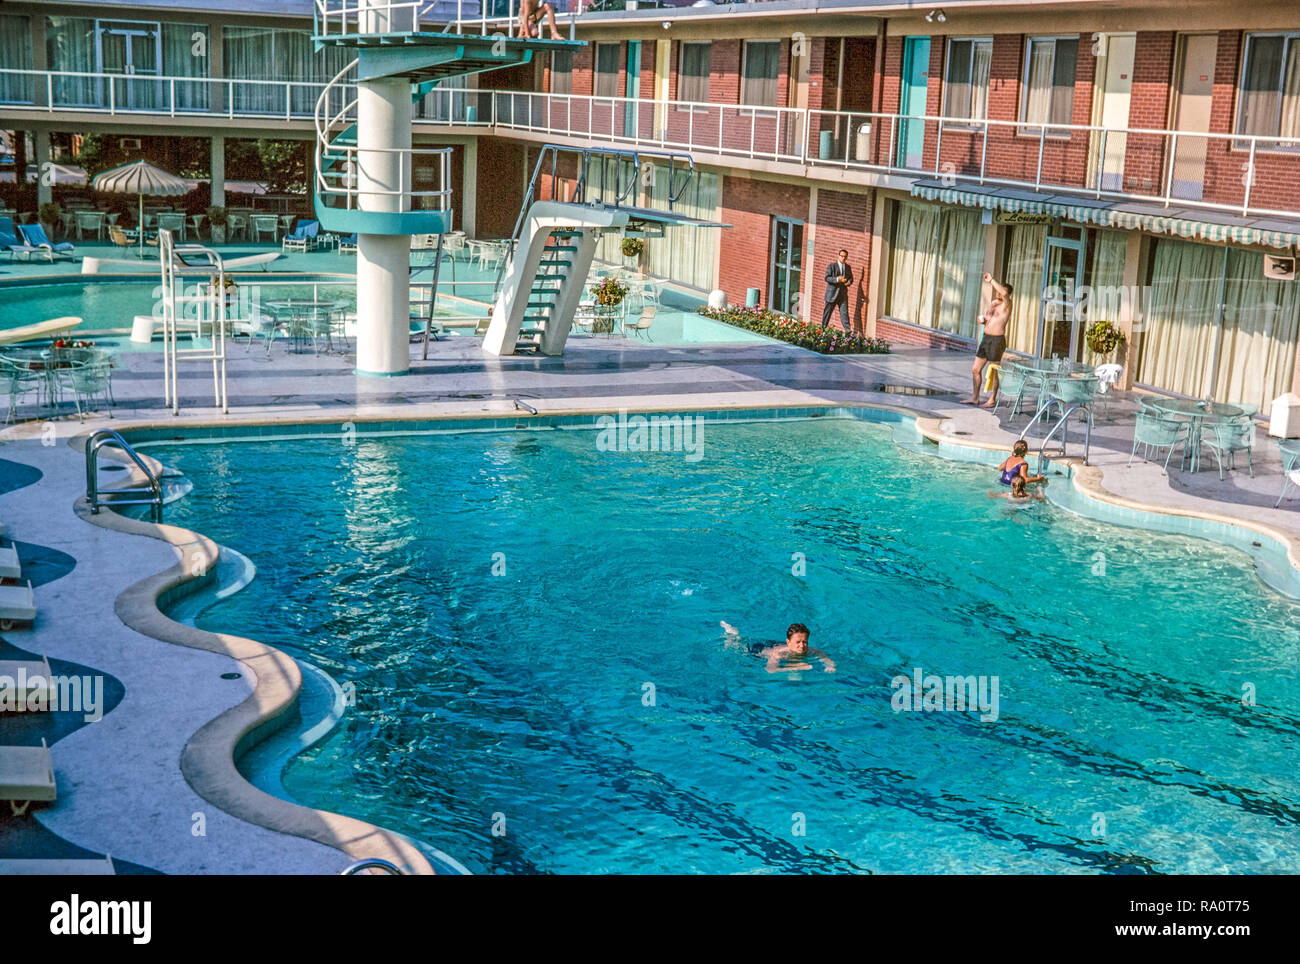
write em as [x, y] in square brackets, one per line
[370, 863]
[106, 437]
[1061, 424]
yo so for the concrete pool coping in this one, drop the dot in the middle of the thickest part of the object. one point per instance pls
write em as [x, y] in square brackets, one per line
[208, 761]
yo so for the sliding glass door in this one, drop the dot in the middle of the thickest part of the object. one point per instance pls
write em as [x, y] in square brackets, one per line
[132, 49]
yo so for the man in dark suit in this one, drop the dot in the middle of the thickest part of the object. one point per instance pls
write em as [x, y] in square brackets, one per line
[838, 278]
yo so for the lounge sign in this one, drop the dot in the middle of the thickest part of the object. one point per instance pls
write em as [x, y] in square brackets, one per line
[1023, 217]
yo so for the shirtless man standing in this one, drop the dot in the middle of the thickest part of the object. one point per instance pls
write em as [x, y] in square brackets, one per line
[994, 342]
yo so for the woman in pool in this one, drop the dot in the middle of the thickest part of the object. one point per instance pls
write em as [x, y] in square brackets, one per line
[1015, 473]
[794, 648]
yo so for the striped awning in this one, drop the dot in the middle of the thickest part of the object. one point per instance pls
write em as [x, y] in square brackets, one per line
[1179, 222]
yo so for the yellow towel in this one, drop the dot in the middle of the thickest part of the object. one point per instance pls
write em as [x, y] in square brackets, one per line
[990, 369]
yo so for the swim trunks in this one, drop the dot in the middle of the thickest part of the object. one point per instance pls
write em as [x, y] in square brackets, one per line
[992, 347]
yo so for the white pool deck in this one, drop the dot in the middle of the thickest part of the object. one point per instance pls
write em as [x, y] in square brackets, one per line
[121, 789]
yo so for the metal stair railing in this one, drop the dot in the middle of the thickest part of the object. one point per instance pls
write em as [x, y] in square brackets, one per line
[334, 18]
[107, 437]
[620, 191]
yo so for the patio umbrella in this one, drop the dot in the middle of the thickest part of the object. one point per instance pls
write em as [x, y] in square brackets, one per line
[140, 178]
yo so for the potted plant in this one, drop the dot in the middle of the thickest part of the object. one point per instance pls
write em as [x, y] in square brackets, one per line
[48, 215]
[610, 292]
[1103, 338]
[632, 248]
[217, 223]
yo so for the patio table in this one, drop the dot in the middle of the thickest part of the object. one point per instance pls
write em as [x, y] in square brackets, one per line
[299, 318]
[1196, 413]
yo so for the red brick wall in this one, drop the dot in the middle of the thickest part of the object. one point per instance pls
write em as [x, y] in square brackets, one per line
[500, 186]
[749, 205]
[843, 221]
[1144, 154]
[910, 335]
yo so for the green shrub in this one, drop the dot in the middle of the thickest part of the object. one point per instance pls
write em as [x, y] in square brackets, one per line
[773, 324]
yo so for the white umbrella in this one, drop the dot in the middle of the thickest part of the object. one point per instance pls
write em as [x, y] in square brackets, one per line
[141, 178]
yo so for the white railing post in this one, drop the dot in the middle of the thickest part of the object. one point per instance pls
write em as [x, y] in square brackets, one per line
[1169, 181]
[938, 146]
[1250, 177]
[1101, 162]
[807, 132]
[1042, 142]
[984, 150]
[173, 97]
[230, 99]
[49, 92]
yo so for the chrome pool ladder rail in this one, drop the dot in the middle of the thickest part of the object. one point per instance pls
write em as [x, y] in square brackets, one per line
[371, 863]
[107, 437]
[1061, 425]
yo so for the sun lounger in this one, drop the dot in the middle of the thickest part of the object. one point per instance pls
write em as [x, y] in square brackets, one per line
[58, 868]
[34, 235]
[26, 774]
[17, 605]
[10, 568]
[32, 675]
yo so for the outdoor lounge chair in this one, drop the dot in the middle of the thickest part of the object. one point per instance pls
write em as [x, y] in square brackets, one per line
[10, 568]
[17, 605]
[642, 324]
[26, 774]
[8, 233]
[348, 245]
[34, 235]
[302, 238]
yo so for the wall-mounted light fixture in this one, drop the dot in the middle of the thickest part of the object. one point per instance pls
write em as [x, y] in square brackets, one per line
[934, 15]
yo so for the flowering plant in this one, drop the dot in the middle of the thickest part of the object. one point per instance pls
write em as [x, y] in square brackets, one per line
[632, 247]
[774, 324]
[1103, 337]
[610, 291]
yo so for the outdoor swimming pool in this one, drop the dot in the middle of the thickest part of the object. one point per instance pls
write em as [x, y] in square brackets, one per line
[531, 627]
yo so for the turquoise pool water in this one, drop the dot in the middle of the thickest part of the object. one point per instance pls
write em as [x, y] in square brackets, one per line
[113, 303]
[517, 701]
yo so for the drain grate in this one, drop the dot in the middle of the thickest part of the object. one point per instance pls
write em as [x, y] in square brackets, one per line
[910, 390]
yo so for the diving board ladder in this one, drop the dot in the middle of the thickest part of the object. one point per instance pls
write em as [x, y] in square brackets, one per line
[204, 304]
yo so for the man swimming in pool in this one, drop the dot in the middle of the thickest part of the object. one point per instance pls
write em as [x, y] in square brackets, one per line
[794, 648]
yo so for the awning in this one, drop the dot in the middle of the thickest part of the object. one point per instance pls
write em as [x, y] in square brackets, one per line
[1197, 225]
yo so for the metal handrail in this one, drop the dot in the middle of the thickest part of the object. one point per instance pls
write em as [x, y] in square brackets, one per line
[108, 437]
[371, 863]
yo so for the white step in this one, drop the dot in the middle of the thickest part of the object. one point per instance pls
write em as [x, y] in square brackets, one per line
[17, 603]
[26, 774]
[58, 868]
[10, 568]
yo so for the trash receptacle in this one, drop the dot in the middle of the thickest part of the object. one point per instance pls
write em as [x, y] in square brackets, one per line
[751, 298]
[1284, 416]
[864, 142]
[717, 299]
[824, 144]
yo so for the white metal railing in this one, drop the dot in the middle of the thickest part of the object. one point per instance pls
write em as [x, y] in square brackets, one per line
[1215, 171]
[336, 18]
[110, 93]
[348, 173]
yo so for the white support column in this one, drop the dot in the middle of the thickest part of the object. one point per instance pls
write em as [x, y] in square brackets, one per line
[469, 189]
[44, 177]
[383, 260]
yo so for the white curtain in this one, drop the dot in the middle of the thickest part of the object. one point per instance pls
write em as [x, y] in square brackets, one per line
[1022, 268]
[961, 270]
[981, 65]
[1290, 122]
[912, 263]
[179, 60]
[262, 53]
[1038, 98]
[686, 254]
[16, 54]
[1107, 276]
[1177, 337]
[1261, 320]
[70, 46]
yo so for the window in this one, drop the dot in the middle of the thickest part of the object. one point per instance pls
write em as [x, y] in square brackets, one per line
[966, 87]
[562, 72]
[16, 54]
[607, 56]
[1048, 96]
[758, 79]
[1269, 103]
[693, 75]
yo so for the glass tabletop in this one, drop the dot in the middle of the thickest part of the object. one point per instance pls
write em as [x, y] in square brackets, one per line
[1049, 366]
[1196, 409]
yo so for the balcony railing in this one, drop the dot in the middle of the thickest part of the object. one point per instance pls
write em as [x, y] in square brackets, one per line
[106, 93]
[1250, 176]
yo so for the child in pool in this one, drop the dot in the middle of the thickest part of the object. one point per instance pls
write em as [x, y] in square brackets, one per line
[1015, 473]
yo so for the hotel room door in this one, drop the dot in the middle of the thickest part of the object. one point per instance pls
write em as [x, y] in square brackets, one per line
[1110, 108]
[916, 72]
[131, 49]
[1191, 112]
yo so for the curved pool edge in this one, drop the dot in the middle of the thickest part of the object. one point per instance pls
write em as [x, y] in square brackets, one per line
[208, 761]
